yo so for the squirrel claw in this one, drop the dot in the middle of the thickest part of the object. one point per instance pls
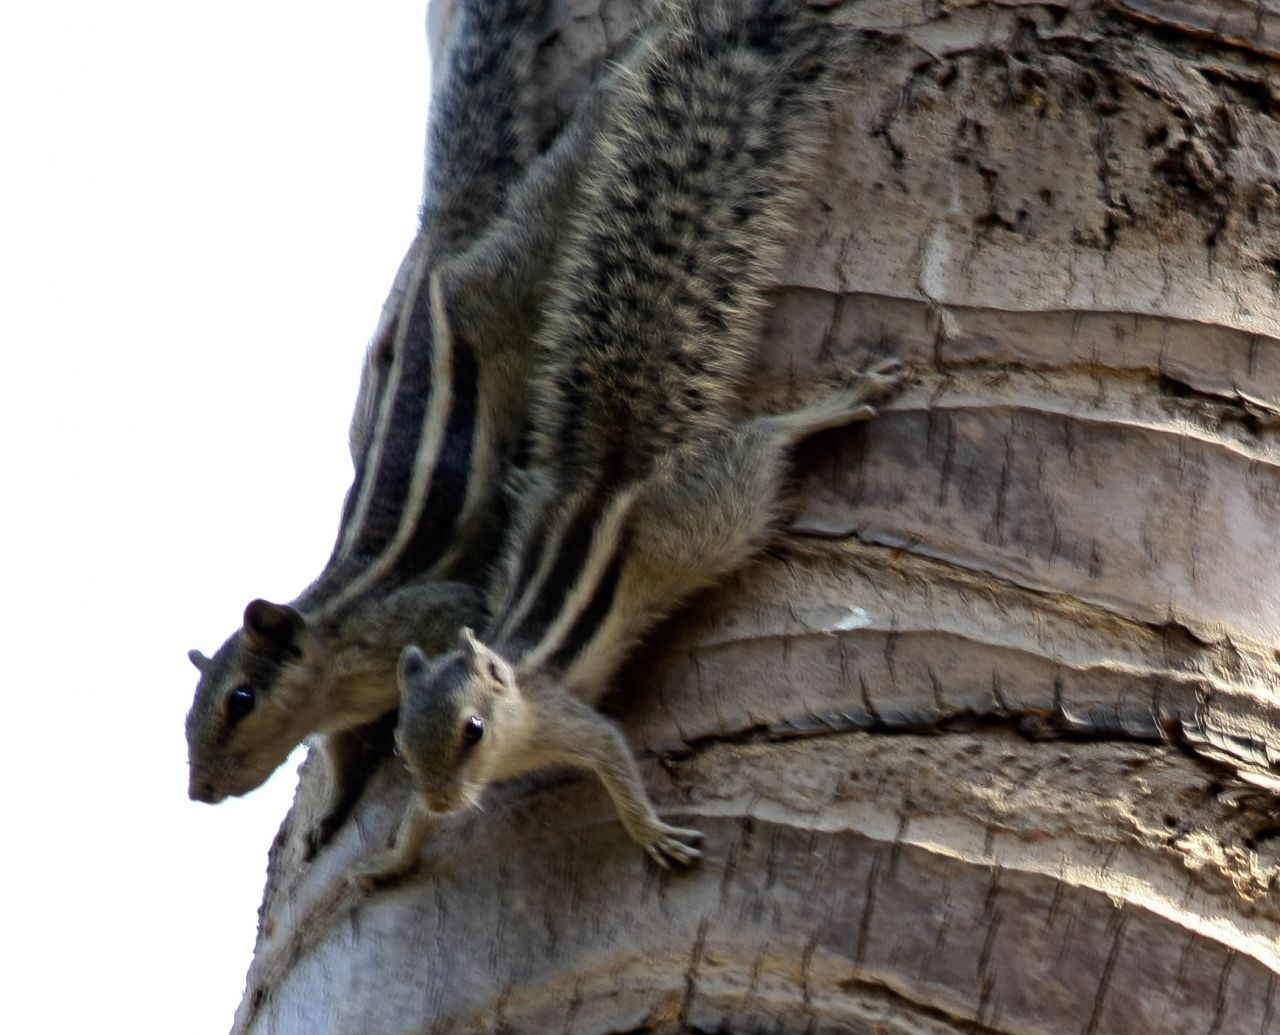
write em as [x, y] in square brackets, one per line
[669, 845]
[880, 380]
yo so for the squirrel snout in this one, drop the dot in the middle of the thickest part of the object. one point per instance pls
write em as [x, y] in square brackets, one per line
[202, 790]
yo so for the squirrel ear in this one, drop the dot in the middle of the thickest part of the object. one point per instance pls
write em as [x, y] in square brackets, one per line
[199, 660]
[274, 625]
[467, 642]
[412, 664]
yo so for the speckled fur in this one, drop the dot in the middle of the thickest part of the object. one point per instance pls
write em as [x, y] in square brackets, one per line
[681, 223]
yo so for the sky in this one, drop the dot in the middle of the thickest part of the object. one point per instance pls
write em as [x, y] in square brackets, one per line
[202, 208]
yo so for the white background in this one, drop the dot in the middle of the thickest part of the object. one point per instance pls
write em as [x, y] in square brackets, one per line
[202, 207]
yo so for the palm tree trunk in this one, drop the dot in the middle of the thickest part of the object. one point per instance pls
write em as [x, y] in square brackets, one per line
[988, 741]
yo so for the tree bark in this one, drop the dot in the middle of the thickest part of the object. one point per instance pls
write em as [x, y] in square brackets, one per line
[988, 741]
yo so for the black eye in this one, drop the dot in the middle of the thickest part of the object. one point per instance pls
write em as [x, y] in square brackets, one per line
[473, 730]
[240, 703]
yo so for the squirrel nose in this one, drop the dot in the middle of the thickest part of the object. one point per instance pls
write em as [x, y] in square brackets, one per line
[201, 790]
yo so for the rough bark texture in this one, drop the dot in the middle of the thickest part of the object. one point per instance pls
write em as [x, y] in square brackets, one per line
[988, 742]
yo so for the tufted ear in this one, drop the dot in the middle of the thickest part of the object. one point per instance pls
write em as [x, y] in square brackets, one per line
[274, 625]
[486, 662]
[199, 660]
[470, 646]
[413, 663]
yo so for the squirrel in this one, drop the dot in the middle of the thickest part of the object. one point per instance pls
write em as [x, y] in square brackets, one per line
[641, 488]
[438, 415]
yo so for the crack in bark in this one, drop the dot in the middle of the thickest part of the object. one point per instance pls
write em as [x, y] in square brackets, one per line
[1149, 14]
[1029, 725]
[1066, 603]
[932, 1011]
[1108, 969]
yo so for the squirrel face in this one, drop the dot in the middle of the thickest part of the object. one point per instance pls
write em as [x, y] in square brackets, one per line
[245, 720]
[453, 727]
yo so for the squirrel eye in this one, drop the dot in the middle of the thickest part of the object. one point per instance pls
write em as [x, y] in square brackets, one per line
[473, 730]
[240, 703]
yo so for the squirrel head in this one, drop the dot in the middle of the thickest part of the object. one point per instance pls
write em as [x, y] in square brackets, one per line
[253, 702]
[456, 716]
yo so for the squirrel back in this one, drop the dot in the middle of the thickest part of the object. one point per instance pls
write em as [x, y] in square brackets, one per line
[657, 297]
[414, 428]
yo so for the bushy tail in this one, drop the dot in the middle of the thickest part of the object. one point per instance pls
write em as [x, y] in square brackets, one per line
[481, 133]
[683, 217]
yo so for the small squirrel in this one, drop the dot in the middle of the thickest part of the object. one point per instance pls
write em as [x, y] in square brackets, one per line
[640, 487]
[440, 410]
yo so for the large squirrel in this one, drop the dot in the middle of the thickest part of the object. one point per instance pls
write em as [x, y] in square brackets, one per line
[641, 487]
[440, 411]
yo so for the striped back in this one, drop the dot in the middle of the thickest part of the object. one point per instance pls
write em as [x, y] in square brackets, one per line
[564, 577]
[418, 447]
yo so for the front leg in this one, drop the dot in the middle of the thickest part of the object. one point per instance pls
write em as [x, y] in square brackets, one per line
[344, 757]
[581, 736]
[402, 858]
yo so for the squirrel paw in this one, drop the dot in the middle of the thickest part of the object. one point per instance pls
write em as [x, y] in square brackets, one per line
[852, 402]
[666, 845]
[380, 869]
[878, 382]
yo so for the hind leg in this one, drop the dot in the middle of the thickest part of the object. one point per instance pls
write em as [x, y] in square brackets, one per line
[849, 404]
[744, 480]
[719, 496]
